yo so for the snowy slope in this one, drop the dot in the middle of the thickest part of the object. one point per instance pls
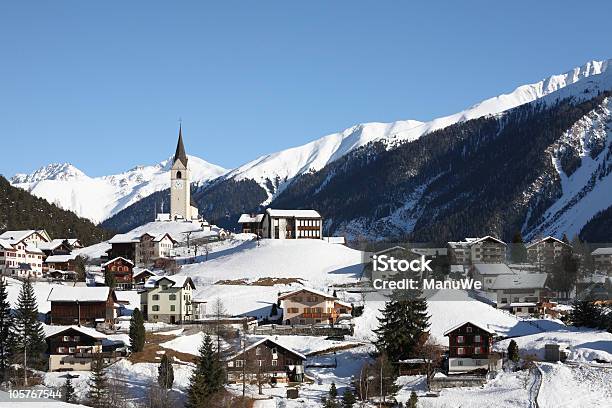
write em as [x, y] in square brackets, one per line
[97, 198]
[279, 168]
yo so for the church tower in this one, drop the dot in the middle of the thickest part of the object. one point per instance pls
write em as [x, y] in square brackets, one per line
[180, 188]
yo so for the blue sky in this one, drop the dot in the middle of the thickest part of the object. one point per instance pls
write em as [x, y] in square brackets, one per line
[102, 84]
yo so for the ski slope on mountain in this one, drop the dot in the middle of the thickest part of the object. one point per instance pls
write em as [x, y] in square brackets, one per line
[277, 169]
[98, 198]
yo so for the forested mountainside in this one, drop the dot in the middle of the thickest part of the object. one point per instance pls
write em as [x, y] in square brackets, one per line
[493, 175]
[599, 228]
[21, 210]
[139, 213]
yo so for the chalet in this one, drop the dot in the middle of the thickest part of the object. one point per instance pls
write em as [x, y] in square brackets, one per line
[143, 248]
[72, 347]
[469, 349]
[141, 276]
[251, 224]
[602, 258]
[19, 253]
[267, 361]
[487, 273]
[61, 246]
[122, 270]
[477, 250]
[87, 306]
[292, 224]
[59, 275]
[61, 262]
[167, 299]
[309, 306]
[544, 252]
[520, 293]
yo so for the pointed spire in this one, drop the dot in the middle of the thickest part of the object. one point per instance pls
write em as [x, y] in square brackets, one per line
[180, 148]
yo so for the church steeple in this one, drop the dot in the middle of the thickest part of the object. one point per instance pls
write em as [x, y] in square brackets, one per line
[180, 148]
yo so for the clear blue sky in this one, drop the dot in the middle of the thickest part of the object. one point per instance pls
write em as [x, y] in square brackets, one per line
[102, 84]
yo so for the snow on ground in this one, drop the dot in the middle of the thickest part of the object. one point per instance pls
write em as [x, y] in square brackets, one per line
[585, 345]
[306, 344]
[93, 251]
[566, 386]
[190, 344]
[319, 262]
[131, 297]
[41, 290]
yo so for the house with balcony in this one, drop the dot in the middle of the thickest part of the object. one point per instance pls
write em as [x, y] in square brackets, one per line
[72, 348]
[470, 349]
[544, 252]
[251, 224]
[477, 250]
[602, 259]
[520, 293]
[167, 299]
[309, 306]
[143, 248]
[20, 256]
[292, 224]
[266, 361]
[122, 271]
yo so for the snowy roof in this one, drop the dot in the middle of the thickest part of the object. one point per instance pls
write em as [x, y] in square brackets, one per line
[78, 293]
[270, 339]
[19, 235]
[602, 251]
[244, 218]
[177, 281]
[124, 239]
[342, 303]
[471, 241]
[293, 213]
[493, 269]
[33, 249]
[473, 324]
[60, 258]
[54, 243]
[139, 271]
[53, 330]
[309, 290]
[116, 259]
[548, 238]
[5, 244]
[520, 281]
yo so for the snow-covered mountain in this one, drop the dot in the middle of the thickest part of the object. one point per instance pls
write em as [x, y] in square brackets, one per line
[98, 198]
[274, 171]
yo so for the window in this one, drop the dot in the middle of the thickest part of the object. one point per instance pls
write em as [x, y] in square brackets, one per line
[155, 297]
[239, 363]
[477, 339]
[460, 351]
[155, 308]
[274, 363]
[460, 362]
[260, 363]
[230, 364]
[468, 329]
[460, 339]
[164, 287]
[172, 308]
[477, 350]
[172, 297]
[179, 175]
[258, 351]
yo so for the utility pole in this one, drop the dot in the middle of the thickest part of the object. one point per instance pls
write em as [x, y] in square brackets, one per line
[25, 362]
[381, 385]
[242, 344]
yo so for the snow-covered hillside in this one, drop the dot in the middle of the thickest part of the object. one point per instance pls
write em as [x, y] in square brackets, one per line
[277, 169]
[98, 198]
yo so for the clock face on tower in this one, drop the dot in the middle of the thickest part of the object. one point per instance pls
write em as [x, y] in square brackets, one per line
[178, 183]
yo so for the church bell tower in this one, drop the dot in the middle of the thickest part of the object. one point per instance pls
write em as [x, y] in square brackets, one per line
[180, 189]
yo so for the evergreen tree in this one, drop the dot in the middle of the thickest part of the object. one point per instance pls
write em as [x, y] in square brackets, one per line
[79, 268]
[29, 333]
[6, 325]
[274, 310]
[97, 395]
[109, 279]
[165, 373]
[519, 252]
[68, 389]
[137, 331]
[564, 272]
[585, 314]
[348, 399]
[207, 378]
[335, 294]
[333, 392]
[513, 351]
[402, 325]
[412, 402]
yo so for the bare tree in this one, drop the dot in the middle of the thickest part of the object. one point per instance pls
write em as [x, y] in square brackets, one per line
[219, 313]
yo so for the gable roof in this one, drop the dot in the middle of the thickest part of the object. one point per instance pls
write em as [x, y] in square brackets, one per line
[60, 258]
[244, 218]
[493, 269]
[271, 340]
[5, 244]
[468, 242]
[55, 330]
[548, 238]
[177, 281]
[452, 329]
[520, 281]
[602, 251]
[309, 290]
[17, 236]
[55, 243]
[140, 271]
[116, 259]
[293, 213]
[79, 294]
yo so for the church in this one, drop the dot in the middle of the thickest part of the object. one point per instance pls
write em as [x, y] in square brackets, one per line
[181, 207]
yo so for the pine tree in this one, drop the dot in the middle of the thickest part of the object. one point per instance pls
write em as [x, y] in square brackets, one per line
[109, 279]
[402, 326]
[513, 351]
[137, 331]
[207, 378]
[585, 314]
[348, 399]
[519, 252]
[165, 373]
[412, 402]
[335, 294]
[29, 333]
[97, 395]
[68, 389]
[6, 325]
[333, 392]
[274, 310]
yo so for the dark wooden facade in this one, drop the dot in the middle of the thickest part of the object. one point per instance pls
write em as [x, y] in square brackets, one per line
[268, 361]
[122, 270]
[70, 342]
[469, 341]
[86, 313]
[125, 250]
